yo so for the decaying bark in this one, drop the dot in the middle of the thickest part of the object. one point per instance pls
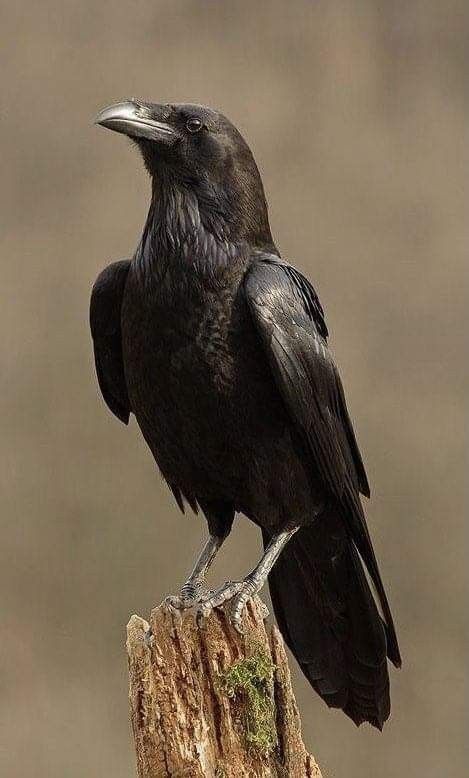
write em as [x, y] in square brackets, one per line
[206, 701]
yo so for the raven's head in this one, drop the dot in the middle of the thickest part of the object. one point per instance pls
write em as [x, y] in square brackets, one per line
[199, 151]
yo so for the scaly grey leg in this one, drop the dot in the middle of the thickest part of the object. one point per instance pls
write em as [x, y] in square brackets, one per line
[194, 589]
[239, 592]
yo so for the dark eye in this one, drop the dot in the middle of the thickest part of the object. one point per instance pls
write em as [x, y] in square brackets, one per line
[194, 124]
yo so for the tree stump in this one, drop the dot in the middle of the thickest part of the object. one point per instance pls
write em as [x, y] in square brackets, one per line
[206, 702]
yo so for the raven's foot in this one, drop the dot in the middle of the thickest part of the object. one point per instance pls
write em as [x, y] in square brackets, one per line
[237, 593]
[192, 593]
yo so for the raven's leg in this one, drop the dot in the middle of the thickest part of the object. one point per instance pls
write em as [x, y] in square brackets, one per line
[239, 592]
[195, 589]
[219, 517]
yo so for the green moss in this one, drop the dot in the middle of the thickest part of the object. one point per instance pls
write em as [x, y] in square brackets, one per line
[250, 681]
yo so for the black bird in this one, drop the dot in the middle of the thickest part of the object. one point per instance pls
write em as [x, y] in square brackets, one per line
[219, 348]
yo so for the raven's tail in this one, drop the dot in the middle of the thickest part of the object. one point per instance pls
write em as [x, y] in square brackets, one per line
[330, 621]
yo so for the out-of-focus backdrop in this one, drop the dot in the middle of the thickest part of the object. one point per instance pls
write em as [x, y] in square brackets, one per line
[356, 114]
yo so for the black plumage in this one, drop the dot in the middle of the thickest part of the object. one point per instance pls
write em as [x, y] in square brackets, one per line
[219, 348]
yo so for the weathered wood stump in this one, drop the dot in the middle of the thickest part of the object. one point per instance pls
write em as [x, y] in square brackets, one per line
[208, 702]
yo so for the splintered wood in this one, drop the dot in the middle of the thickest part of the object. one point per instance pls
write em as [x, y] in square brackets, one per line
[207, 702]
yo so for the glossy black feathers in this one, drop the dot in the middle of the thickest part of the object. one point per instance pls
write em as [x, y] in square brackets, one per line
[219, 348]
[105, 323]
[310, 385]
[330, 621]
[291, 324]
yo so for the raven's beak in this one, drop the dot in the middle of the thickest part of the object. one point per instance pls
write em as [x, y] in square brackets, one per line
[137, 120]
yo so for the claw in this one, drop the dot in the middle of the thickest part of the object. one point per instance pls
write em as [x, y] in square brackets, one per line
[195, 593]
[263, 609]
[201, 614]
[237, 623]
[236, 592]
[237, 609]
[172, 602]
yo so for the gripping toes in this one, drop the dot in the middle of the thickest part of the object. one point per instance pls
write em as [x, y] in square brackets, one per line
[237, 593]
[250, 588]
[221, 595]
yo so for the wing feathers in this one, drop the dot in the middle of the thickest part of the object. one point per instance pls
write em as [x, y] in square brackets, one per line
[290, 322]
[105, 323]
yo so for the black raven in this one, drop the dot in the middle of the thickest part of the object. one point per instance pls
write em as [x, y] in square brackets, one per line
[219, 348]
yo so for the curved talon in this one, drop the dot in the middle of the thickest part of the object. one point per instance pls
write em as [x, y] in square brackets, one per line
[238, 606]
[172, 602]
[263, 610]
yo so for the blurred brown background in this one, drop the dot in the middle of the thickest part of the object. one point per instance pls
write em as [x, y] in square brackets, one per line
[355, 112]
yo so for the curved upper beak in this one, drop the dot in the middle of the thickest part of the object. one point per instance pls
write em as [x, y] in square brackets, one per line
[137, 120]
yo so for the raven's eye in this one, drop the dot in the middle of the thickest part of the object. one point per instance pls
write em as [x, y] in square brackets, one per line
[194, 124]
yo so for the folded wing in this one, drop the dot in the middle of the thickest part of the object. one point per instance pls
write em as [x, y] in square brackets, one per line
[290, 322]
[105, 322]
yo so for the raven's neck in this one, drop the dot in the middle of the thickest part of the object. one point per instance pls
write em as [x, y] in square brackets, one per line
[180, 232]
[198, 227]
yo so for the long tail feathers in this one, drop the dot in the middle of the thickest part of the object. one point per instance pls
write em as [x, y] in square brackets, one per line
[356, 522]
[330, 621]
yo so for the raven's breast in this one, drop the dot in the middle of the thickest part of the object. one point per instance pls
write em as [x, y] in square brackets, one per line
[203, 395]
[191, 358]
